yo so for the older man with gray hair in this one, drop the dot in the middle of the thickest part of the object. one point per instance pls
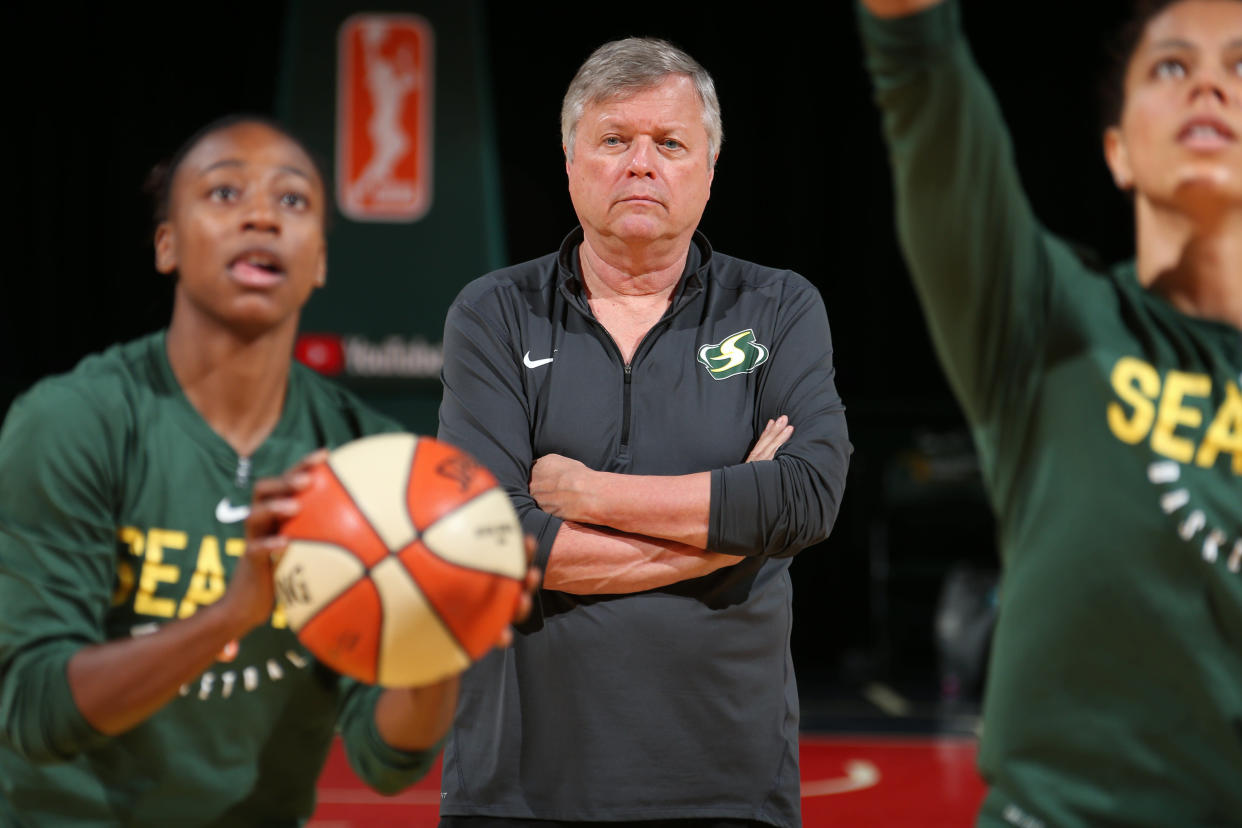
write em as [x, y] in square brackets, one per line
[665, 420]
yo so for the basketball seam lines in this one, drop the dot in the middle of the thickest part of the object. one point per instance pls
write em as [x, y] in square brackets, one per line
[452, 636]
[366, 570]
[367, 519]
[463, 504]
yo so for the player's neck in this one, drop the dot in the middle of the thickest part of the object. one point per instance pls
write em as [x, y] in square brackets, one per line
[237, 385]
[1193, 262]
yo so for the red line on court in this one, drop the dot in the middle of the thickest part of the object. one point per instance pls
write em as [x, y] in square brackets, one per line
[854, 781]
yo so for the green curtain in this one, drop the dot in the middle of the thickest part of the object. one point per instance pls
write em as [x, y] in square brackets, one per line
[393, 98]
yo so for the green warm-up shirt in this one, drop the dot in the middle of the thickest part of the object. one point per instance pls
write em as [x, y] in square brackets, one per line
[1109, 427]
[121, 510]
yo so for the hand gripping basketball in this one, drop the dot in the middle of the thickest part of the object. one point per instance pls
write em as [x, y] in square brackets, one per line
[405, 562]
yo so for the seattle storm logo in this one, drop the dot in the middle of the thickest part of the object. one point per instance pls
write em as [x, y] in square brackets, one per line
[739, 353]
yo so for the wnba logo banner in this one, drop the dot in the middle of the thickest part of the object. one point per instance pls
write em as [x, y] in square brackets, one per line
[384, 88]
[363, 83]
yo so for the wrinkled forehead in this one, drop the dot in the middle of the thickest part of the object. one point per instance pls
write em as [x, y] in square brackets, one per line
[671, 97]
[674, 81]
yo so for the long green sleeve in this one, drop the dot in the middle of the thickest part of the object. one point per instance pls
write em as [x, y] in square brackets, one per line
[1109, 428]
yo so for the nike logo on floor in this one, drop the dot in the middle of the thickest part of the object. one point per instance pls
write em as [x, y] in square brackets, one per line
[228, 513]
[534, 363]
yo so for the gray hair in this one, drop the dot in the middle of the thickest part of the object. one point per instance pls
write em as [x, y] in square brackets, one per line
[625, 67]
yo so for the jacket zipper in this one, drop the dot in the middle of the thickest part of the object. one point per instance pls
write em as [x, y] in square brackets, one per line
[624, 448]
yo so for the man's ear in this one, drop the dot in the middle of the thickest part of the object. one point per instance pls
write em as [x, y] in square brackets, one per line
[165, 248]
[1118, 159]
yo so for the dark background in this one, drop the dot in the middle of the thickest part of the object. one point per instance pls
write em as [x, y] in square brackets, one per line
[802, 183]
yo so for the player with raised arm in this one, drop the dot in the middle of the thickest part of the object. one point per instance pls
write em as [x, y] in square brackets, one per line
[1107, 413]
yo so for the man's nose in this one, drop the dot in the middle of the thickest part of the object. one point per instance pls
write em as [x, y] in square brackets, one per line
[642, 157]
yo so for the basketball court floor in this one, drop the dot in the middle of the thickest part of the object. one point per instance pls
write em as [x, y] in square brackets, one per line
[873, 759]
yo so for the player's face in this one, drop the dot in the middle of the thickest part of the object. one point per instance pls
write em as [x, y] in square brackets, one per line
[1179, 143]
[245, 229]
[640, 170]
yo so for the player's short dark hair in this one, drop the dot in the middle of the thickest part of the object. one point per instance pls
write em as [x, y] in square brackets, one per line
[159, 179]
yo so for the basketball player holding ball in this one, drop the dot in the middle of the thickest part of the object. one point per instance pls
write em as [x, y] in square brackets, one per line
[146, 676]
[1107, 412]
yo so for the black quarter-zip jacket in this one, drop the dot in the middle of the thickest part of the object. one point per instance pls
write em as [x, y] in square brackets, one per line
[678, 701]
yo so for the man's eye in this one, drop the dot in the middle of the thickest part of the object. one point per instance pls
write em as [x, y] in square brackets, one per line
[296, 200]
[1169, 68]
[671, 143]
[612, 141]
[223, 192]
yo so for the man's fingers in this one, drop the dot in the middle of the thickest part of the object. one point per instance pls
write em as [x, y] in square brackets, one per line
[775, 434]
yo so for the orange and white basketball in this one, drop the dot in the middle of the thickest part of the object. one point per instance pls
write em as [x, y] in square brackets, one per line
[405, 562]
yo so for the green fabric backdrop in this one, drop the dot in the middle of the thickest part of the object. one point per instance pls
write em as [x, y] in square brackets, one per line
[376, 327]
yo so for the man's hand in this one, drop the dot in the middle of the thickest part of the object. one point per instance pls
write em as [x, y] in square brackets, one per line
[560, 486]
[775, 434]
[569, 490]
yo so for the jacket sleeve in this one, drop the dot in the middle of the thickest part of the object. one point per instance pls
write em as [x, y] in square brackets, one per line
[485, 412]
[775, 508]
[381, 766]
[57, 563]
[982, 265]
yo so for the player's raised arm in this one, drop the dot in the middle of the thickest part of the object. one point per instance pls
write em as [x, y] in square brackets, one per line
[980, 260]
[1075, 377]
